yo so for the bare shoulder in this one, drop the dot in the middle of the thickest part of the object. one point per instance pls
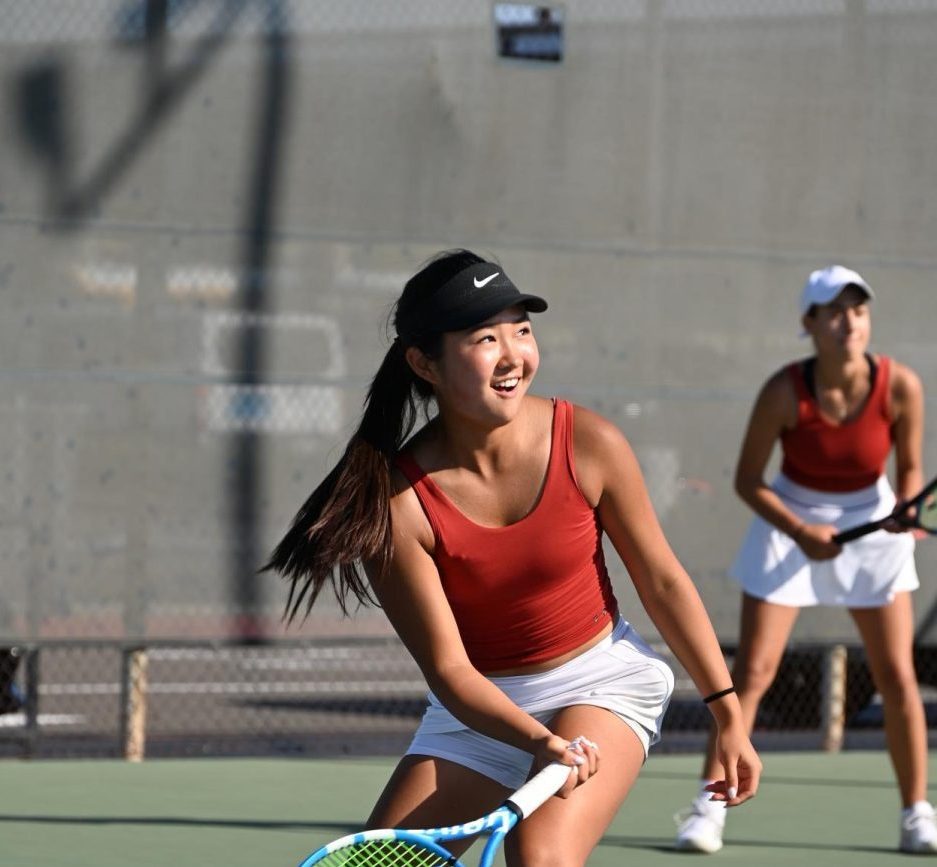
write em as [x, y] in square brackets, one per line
[600, 451]
[594, 433]
[779, 386]
[905, 383]
[777, 399]
[906, 395]
[408, 520]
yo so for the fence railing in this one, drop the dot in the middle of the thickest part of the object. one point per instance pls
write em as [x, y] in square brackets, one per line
[84, 698]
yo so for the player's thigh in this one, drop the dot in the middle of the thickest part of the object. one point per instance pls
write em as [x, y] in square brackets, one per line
[764, 628]
[565, 830]
[888, 635]
[427, 792]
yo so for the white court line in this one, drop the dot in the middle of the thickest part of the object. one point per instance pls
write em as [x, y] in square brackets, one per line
[18, 720]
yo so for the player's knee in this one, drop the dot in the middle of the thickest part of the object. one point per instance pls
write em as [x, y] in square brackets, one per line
[754, 676]
[899, 686]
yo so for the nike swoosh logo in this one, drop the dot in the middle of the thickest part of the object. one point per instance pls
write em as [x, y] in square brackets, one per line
[486, 281]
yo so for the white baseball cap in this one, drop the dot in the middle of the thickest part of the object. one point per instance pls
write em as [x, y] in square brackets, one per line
[826, 283]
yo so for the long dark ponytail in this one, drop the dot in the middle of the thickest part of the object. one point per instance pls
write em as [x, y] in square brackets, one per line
[346, 519]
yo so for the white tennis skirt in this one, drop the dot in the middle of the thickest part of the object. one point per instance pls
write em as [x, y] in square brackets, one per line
[867, 574]
[621, 674]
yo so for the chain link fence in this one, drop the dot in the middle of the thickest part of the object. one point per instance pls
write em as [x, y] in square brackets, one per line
[350, 697]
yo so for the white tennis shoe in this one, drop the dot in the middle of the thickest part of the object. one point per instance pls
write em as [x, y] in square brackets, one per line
[919, 829]
[700, 826]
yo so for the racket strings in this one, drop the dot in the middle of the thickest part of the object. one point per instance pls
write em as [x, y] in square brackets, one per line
[927, 514]
[387, 853]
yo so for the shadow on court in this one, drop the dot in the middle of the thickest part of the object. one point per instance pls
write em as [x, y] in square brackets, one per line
[792, 781]
[336, 828]
[665, 844]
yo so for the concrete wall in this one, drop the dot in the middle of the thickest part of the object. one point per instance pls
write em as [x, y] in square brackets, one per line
[201, 233]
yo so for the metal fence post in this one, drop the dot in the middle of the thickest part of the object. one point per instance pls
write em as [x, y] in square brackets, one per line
[133, 688]
[31, 709]
[833, 698]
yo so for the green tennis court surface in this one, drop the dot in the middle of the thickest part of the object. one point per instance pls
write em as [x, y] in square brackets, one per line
[815, 809]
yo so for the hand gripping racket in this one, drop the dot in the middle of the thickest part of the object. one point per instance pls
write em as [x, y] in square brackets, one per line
[919, 512]
[392, 847]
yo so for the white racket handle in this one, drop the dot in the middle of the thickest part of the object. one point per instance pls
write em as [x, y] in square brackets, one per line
[537, 790]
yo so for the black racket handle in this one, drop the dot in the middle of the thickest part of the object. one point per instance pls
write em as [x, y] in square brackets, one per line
[856, 532]
[902, 510]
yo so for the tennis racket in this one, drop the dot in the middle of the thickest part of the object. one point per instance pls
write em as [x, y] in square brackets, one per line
[392, 847]
[919, 512]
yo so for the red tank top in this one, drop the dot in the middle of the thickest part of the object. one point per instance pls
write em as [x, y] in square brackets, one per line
[532, 590]
[838, 457]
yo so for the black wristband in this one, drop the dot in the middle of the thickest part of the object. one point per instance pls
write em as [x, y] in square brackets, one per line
[720, 694]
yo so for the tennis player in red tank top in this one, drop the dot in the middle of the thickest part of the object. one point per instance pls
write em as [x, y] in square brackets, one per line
[450, 527]
[836, 416]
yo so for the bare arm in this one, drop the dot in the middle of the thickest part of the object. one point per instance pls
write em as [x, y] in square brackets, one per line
[776, 409]
[907, 401]
[610, 477]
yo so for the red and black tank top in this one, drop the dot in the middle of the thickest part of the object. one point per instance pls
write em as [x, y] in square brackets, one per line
[530, 591]
[826, 456]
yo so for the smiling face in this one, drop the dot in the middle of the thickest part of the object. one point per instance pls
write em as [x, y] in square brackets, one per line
[484, 371]
[843, 327]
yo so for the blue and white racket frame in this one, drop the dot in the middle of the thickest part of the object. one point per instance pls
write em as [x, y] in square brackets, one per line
[496, 824]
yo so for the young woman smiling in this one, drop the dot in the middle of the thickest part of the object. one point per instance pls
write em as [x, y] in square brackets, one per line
[481, 537]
